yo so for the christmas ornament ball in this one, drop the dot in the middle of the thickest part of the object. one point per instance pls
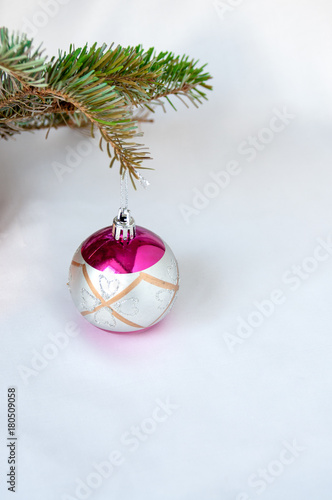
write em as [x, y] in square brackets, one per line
[123, 285]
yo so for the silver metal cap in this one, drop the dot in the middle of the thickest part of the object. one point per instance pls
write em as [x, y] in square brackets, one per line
[124, 225]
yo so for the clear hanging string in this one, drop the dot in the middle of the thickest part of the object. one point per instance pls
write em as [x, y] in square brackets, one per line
[124, 228]
[124, 191]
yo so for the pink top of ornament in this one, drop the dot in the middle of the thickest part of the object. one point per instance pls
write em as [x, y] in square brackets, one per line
[101, 251]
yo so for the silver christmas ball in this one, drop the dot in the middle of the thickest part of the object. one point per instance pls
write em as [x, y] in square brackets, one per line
[123, 282]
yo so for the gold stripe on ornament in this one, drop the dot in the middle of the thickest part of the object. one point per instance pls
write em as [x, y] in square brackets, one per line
[125, 291]
[121, 318]
[107, 303]
[76, 264]
[169, 305]
[160, 283]
[104, 303]
[116, 297]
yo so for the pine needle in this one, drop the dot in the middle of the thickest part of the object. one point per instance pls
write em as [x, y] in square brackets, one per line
[100, 87]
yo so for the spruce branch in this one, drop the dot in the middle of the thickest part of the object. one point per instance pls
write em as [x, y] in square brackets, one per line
[111, 89]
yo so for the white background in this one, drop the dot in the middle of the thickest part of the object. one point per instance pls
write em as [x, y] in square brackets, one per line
[235, 407]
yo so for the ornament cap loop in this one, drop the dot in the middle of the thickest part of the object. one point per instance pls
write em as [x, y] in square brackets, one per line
[124, 225]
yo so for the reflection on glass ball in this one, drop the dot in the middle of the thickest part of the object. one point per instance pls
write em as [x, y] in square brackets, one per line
[124, 286]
